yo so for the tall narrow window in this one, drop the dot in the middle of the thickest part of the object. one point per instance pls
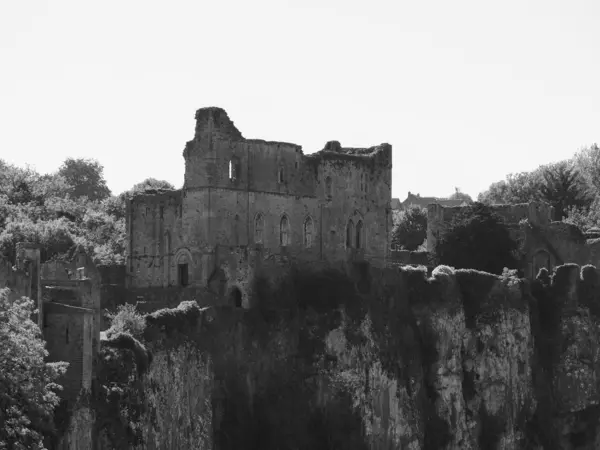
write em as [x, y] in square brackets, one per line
[259, 225]
[280, 177]
[284, 232]
[233, 169]
[328, 188]
[308, 232]
[359, 230]
[349, 234]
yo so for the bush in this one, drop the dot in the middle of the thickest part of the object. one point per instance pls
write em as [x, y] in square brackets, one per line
[126, 320]
[410, 228]
[477, 238]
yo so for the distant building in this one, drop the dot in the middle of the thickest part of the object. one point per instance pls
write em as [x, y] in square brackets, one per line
[413, 199]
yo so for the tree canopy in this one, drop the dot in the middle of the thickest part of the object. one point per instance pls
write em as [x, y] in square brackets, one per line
[477, 238]
[85, 178]
[28, 388]
[46, 209]
[410, 228]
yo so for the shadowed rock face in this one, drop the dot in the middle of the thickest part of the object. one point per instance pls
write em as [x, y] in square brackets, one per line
[458, 360]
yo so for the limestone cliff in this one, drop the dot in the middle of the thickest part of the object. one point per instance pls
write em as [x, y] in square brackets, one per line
[389, 359]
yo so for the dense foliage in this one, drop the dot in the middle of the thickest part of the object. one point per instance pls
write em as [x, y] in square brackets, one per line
[28, 389]
[64, 210]
[410, 228]
[572, 186]
[477, 238]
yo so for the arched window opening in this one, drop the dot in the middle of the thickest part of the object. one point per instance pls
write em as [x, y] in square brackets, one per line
[284, 232]
[359, 230]
[280, 177]
[328, 188]
[233, 170]
[349, 234]
[259, 225]
[235, 297]
[308, 232]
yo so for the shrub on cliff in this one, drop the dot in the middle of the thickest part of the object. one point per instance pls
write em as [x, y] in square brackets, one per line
[410, 228]
[127, 319]
[477, 238]
[27, 383]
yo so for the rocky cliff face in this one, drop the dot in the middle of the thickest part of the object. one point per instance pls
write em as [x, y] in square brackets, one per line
[382, 360]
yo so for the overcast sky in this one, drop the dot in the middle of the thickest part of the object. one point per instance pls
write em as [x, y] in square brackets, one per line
[466, 91]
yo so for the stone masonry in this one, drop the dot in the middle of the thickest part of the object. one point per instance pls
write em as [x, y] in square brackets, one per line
[247, 200]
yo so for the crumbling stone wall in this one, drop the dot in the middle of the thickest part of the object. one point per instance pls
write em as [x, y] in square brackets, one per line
[241, 193]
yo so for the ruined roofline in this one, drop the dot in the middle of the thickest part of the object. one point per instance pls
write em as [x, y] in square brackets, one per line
[215, 120]
[349, 153]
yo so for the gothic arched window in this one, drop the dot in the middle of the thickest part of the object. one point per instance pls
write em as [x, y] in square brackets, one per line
[349, 234]
[308, 232]
[359, 236]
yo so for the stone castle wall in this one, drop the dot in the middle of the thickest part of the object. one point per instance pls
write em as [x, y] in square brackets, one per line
[238, 196]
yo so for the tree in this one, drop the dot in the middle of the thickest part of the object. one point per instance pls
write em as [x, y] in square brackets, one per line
[587, 163]
[522, 187]
[86, 178]
[459, 195]
[477, 238]
[410, 229]
[563, 188]
[27, 383]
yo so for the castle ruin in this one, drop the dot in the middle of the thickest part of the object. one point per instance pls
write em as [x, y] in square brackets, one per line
[245, 201]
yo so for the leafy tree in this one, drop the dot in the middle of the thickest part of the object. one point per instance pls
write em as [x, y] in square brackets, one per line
[410, 228]
[27, 383]
[522, 187]
[587, 163]
[459, 195]
[17, 183]
[477, 238]
[86, 178]
[563, 188]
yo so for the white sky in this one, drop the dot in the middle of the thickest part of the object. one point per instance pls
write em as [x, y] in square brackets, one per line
[466, 91]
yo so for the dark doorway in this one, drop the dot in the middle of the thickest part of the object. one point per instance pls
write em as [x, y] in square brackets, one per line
[183, 274]
[235, 297]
